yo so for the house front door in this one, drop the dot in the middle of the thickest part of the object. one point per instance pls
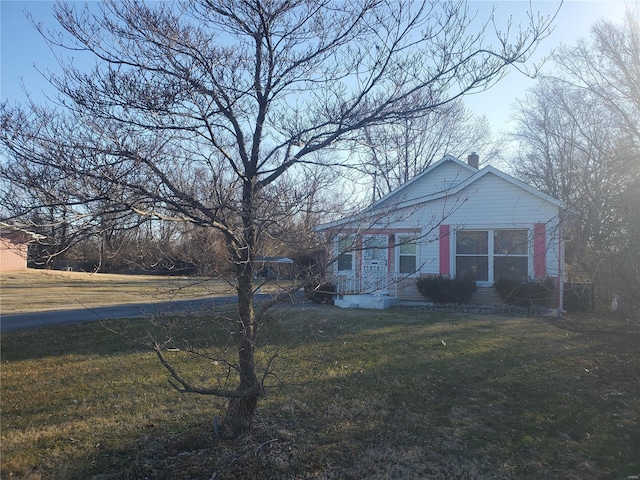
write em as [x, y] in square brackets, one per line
[375, 264]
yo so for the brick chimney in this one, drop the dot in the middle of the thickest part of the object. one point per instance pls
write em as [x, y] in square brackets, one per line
[473, 160]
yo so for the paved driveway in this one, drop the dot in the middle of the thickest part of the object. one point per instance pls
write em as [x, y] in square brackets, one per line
[64, 317]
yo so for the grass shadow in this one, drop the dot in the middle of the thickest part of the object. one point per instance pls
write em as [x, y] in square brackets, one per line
[396, 394]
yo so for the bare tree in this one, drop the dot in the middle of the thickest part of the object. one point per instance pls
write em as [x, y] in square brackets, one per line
[196, 110]
[569, 149]
[394, 153]
[578, 134]
[608, 66]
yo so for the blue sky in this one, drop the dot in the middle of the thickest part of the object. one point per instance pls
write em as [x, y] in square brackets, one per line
[22, 48]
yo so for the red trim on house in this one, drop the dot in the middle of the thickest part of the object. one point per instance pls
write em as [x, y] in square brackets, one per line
[539, 250]
[445, 268]
[390, 250]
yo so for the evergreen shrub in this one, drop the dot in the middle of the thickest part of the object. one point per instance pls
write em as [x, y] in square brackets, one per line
[526, 294]
[322, 293]
[440, 289]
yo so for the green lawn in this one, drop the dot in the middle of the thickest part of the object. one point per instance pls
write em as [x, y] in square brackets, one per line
[44, 290]
[396, 394]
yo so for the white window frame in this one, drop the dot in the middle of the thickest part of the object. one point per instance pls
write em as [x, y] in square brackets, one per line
[490, 250]
[398, 244]
[351, 252]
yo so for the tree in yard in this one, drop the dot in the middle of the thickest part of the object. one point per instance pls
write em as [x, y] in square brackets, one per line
[394, 153]
[197, 111]
[579, 139]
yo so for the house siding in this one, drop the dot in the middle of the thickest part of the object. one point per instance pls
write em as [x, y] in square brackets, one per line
[489, 203]
[444, 249]
[13, 252]
[431, 183]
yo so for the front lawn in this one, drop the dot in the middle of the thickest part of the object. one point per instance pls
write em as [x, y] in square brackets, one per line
[367, 394]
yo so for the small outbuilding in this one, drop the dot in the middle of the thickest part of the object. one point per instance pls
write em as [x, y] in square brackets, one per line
[14, 246]
[274, 267]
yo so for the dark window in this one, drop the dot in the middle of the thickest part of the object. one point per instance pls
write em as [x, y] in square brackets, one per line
[345, 247]
[490, 255]
[510, 268]
[345, 261]
[472, 254]
[511, 255]
[407, 251]
[476, 268]
[511, 242]
[471, 242]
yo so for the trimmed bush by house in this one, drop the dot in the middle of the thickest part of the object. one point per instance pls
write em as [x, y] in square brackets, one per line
[441, 289]
[526, 294]
[320, 293]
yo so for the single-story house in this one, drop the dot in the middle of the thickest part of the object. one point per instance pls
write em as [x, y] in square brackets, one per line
[274, 267]
[452, 219]
[14, 245]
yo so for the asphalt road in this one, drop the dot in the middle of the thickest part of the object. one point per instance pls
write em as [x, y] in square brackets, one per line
[138, 310]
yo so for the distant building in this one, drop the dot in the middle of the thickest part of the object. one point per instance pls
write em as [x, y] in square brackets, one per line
[14, 245]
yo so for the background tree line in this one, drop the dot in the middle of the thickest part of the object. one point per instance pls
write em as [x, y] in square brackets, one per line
[578, 132]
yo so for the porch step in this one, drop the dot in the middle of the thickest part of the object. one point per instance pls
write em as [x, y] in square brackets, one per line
[486, 296]
[378, 302]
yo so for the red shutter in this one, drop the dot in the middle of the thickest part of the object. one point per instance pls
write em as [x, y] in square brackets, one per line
[539, 250]
[444, 250]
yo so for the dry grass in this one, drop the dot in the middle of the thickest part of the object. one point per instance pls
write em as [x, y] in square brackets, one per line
[376, 395]
[45, 290]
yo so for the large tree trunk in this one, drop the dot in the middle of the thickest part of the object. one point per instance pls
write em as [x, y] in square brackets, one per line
[239, 415]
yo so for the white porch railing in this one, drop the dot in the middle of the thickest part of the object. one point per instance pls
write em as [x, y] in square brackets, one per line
[348, 284]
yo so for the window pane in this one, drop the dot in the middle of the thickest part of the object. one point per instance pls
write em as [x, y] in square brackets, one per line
[408, 264]
[375, 248]
[407, 245]
[345, 262]
[476, 268]
[510, 268]
[345, 243]
[408, 249]
[379, 254]
[511, 242]
[472, 242]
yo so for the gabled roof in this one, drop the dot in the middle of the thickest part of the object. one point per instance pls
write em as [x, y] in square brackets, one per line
[425, 172]
[284, 260]
[476, 176]
[505, 176]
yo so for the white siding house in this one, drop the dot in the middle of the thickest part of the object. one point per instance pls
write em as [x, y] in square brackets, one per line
[452, 219]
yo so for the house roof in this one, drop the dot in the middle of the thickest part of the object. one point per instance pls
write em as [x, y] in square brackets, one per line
[10, 228]
[475, 176]
[283, 260]
[425, 172]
